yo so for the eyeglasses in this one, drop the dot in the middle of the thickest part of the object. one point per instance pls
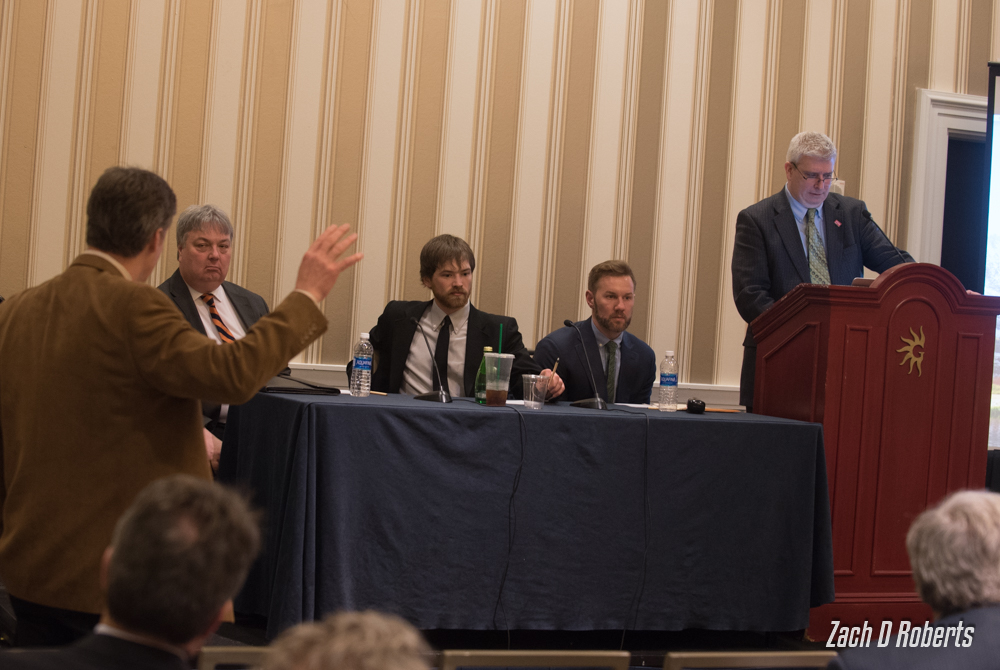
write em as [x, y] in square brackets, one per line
[825, 178]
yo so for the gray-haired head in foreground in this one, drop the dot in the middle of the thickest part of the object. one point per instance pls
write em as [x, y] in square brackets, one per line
[181, 551]
[955, 552]
[811, 143]
[197, 218]
[350, 641]
[126, 206]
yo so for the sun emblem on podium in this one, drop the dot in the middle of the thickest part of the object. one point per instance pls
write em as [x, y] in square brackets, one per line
[911, 351]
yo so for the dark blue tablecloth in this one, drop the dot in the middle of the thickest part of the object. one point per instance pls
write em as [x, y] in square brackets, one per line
[404, 506]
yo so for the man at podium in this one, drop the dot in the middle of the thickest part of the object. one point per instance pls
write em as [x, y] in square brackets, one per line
[803, 234]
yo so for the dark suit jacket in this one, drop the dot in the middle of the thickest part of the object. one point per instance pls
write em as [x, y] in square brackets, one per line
[769, 261]
[983, 653]
[248, 305]
[392, 335]
[638, 365]
[99, 396]
[93, 652]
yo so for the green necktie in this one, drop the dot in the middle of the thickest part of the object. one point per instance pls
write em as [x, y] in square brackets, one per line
[611, 347]
[819, 273]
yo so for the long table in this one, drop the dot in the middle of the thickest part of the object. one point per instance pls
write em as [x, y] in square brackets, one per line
[460, 516]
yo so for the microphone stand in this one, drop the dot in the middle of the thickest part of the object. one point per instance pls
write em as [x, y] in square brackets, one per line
[597, 402]
[442, 394]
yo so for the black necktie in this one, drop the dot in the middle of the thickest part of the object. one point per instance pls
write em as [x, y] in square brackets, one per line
[441, 353]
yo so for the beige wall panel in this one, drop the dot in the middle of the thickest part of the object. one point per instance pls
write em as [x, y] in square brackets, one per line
[791, 51]
[494, 235]
[98, 133]
[143, 84]
[297, 222]
[873, 187]
[716, 170]
[673, 284]
[342, 165]
[22, 99]
[459, 122]
[424, 153]
[916, 73]
[817, 69]
[52, 173]
[944, 28]
[646, 161]
[381, 141]
[981, 21]
[187, 111]
[528, 207]
[223, 105]
[745, 149]
[265, 172]
[850, 135]
[603, 218]
[568, 285]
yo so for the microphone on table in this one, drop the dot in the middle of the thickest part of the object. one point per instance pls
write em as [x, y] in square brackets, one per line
[868, 215]
[597, 402]
[442, 394]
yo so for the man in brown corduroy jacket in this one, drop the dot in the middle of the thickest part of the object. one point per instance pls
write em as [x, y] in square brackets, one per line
[100, 383]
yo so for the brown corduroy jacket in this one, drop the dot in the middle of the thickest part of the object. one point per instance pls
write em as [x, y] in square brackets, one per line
[100, 383]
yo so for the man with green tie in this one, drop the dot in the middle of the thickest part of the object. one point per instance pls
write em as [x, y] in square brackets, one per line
[803, 234]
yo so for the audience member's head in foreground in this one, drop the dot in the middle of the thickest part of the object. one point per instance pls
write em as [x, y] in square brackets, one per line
[178, 556]
[955, 552]
[350, 641]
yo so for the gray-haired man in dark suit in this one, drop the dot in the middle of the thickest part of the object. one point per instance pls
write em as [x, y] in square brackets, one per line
[213, 306]
[803, 234]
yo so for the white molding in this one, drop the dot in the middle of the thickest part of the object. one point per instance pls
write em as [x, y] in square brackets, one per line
[939, 116]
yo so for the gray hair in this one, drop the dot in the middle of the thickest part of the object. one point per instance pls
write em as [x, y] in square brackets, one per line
[181, 551]
[955, 552]
[197, 218]
[350, 641]
[811, 143]
[126, 207]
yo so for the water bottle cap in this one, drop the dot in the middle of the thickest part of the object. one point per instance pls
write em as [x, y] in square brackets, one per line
[364, 336]
[670, 353]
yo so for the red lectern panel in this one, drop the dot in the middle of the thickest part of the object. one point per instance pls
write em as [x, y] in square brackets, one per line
[899, 374]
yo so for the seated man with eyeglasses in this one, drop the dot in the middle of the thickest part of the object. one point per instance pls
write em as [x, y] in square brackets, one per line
[803, 234]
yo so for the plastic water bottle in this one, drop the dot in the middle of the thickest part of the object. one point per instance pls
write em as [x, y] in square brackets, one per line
[481, 379]
[361, 374]
[668, 383]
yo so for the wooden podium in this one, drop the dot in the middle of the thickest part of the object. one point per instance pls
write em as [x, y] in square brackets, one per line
[900, 375]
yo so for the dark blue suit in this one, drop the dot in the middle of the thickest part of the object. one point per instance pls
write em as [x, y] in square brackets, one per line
[93, 652]
[984, 651]
[769, 261]
[638, 365]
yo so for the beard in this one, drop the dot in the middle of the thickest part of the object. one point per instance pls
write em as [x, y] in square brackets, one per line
[611, 326]
[452, 300]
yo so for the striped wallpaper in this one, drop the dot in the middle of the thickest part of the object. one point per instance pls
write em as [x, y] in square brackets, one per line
[551, 134]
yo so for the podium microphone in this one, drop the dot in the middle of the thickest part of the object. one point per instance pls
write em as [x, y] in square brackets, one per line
[442, 394]
[868, 216]
[597, 402]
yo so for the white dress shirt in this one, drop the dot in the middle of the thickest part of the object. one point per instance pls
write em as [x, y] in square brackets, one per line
[418, 373]
[229, 317]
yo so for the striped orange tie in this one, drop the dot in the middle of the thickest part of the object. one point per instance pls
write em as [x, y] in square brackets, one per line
[224, 333]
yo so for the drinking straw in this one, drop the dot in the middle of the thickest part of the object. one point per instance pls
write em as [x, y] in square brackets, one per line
[500, 346]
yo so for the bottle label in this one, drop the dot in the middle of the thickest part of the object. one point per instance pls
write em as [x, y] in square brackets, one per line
[363, 363]
[668, 379]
